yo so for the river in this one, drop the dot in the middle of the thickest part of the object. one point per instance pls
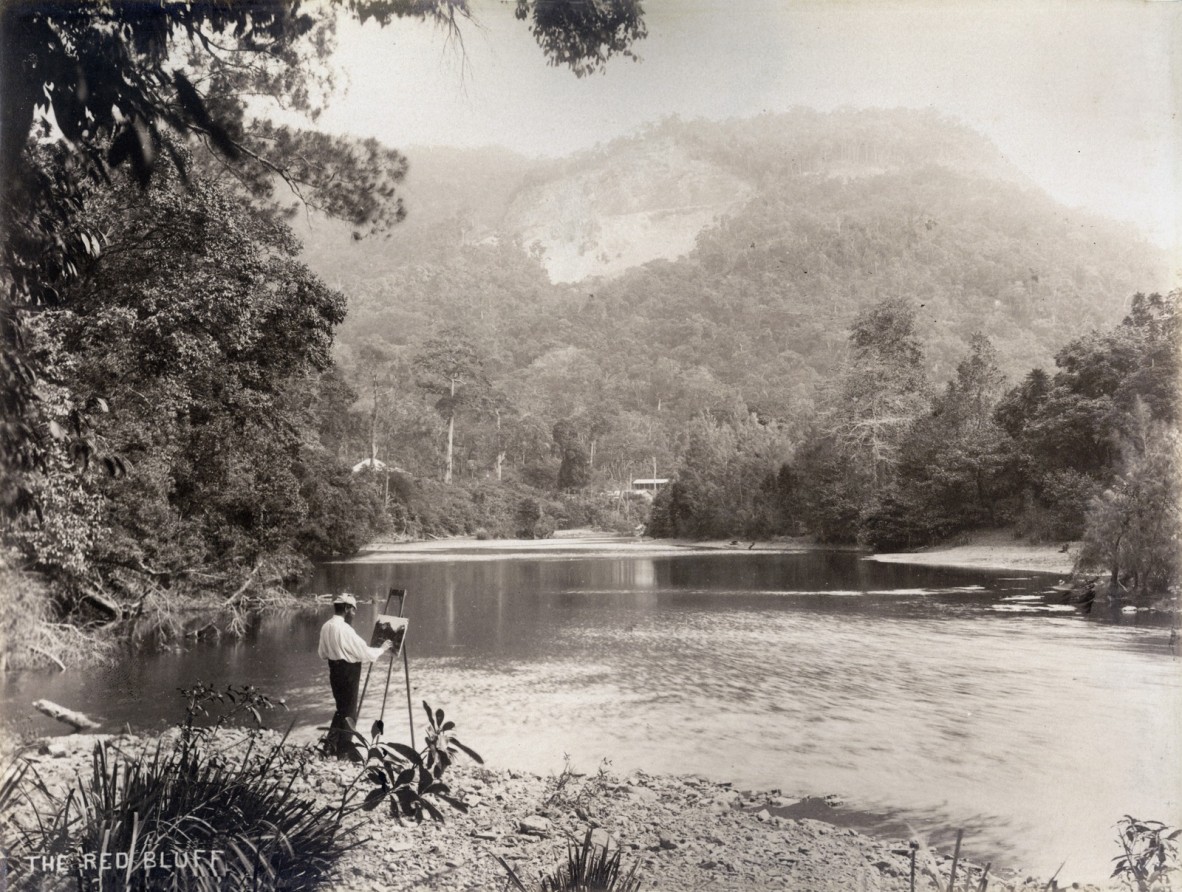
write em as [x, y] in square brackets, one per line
[927, 699]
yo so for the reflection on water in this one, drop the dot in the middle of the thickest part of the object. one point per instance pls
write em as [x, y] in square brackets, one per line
[904, 690]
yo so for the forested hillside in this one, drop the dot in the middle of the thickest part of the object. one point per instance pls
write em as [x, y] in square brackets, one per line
[766, 237]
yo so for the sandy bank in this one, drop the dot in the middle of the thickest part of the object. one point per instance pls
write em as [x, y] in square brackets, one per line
[994, 550]
[685, 833]
[565, 544]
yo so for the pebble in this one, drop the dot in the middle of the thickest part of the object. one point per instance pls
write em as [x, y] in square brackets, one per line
[643, 794]
[536, 824]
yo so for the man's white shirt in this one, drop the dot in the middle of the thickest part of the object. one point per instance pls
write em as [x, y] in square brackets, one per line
[338, 641]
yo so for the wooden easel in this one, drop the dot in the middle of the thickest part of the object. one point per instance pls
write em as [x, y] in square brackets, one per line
[379, 725]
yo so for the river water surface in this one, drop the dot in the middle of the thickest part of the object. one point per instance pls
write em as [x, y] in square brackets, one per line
[930, 699]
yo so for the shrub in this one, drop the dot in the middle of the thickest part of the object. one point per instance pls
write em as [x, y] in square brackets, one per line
[545, 527]
[529, 514]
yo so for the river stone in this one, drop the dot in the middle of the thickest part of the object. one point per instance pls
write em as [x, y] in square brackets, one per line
[536, 824]
[56, 749]
[723, 802]
[640, 794]
[603, 839]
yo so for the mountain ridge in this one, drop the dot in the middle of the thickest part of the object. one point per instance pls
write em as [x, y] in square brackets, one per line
[784, 227]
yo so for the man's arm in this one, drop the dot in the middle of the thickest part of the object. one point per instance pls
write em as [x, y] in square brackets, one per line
[357, 650]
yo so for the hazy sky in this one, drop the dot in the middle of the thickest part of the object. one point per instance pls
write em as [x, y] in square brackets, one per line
[1081, 95]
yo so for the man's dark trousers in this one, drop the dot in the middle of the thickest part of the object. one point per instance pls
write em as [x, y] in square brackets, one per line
[345, 679]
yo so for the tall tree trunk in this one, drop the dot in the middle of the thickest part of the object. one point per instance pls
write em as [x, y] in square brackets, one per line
[500, 447]
[373, 427]
[451, 432]
[451, 435]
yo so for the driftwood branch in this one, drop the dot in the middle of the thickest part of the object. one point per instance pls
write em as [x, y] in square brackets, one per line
[79, 721]
[242, 589]
[48, 655]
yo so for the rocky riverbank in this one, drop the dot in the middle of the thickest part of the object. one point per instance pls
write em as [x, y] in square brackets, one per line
[683, 833]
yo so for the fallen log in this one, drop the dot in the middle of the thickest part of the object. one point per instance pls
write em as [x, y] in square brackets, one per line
[79, 721]
[105, 604]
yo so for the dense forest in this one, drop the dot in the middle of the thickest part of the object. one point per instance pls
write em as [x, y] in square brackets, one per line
[814, 324]
[749, 351]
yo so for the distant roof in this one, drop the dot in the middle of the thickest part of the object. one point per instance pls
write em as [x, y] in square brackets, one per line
[645, 480]
[377, 463]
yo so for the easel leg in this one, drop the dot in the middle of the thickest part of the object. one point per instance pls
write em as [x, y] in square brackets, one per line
[386, 692]
[410, 713]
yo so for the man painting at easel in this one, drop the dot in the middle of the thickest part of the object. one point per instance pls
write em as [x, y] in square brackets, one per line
[345, 651]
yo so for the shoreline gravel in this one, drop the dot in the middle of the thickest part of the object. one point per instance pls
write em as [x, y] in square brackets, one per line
[685, 833]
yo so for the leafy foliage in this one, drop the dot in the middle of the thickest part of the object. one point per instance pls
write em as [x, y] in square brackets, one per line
[1150, 859]
[208, 341]
[725, 485]
[584, 36]
[1133, 525]
[405, 777]
[236, 701]
[1068, 429]
[952, 470]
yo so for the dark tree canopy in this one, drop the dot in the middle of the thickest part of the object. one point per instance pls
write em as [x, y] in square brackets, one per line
[584, 34]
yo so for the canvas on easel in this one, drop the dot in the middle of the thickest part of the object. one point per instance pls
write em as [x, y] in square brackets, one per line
[388, 627]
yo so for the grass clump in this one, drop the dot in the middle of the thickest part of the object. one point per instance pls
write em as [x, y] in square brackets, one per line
[206, 808]
[588, 868]
[571, 790]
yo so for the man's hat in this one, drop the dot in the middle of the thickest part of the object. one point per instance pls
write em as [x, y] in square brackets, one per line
[345, 598]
